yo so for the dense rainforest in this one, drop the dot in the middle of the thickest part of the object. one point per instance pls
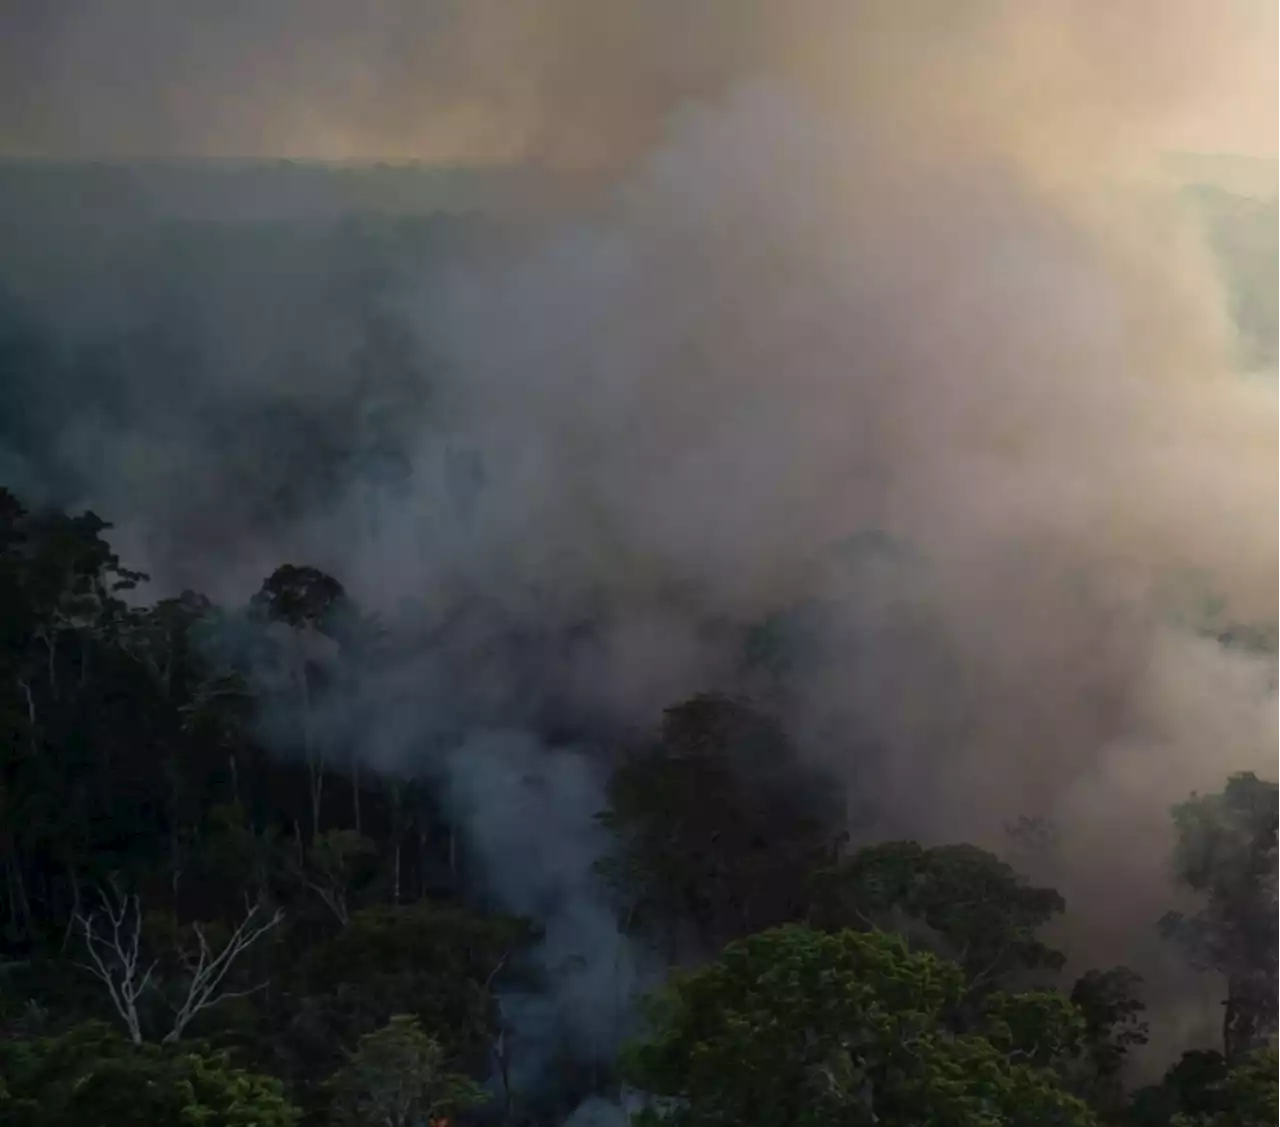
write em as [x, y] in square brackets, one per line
[214, 912]
[245, 882]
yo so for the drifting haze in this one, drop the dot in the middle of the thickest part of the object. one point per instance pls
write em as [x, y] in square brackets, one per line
[893, 267]
[469, 81]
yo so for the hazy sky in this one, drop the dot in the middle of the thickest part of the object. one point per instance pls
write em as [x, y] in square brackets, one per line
[478, 79]
[433, 79]
[1242, 116]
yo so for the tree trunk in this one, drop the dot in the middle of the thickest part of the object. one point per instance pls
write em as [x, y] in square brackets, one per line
[175, 858]
[22, 901]
[395, 876]
[31, 714]
[315, 775]
[503, 1061]
[355, 787]
[19, 905]
[175, 835]
[397, 834]
[422, 863]
[1249, 1015]
[51, 644]
[74, 883]
[315, 765]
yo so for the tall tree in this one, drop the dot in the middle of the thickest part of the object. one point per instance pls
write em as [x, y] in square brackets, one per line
[309, 603]
[959, 900]
[1226, 852]
[801, 1028]
[397, 1077]
[1108, 1002]
[1247, 1096]
[733, 864]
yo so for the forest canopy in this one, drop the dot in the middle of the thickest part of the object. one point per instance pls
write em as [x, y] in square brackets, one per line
[234, 916]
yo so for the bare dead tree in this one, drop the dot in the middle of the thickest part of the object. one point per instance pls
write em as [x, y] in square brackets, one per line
[114, 951]
[113, 938]
[208, 969]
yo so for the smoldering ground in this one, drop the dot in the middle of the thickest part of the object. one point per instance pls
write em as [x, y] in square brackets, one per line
[877, 268]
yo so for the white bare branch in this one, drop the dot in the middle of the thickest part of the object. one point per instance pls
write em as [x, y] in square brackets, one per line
[113, 939]
[114, 947]
[208, 969]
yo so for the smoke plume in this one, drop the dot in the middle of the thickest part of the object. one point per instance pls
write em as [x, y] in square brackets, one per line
[904, 268]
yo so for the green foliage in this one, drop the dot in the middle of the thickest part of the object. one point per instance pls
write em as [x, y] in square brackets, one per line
[299, 596]
[1226, 851]
[973, 907]
[797, 1026]
[230, 852]
[1191, 1086]
[1042, 1028]
[1111, 1010]
[397, 1078]
[90, 1075]
[435, 962]
[1248, 1096]
[338, 863]
[733, 866]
